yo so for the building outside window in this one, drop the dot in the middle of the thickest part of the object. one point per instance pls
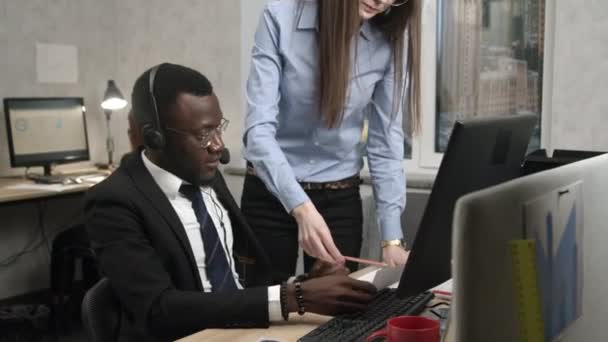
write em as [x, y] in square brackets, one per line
[489, 62]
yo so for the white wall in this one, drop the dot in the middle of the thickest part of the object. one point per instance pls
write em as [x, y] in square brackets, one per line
[86, 24]
[119, 40]
[580, 75]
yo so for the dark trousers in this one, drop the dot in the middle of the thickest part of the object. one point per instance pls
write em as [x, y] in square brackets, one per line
[277, 230]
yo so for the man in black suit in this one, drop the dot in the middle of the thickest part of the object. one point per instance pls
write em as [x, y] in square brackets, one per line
[170, 237]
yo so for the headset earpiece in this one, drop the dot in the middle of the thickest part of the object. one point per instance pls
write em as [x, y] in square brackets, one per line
[153, 138]
[150, 129]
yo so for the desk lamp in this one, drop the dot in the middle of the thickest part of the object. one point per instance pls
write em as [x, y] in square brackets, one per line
[112, 100]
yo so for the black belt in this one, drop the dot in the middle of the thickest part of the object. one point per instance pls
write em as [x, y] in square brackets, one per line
[341, 184]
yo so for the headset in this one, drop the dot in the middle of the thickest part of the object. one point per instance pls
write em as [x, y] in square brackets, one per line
[150, 129]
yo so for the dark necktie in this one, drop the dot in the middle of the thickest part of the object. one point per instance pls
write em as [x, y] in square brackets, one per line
[216, 262]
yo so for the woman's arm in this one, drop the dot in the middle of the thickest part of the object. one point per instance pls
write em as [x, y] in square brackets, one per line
[385, 148]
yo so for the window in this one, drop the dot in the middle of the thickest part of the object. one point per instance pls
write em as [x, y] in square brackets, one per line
[489, 62]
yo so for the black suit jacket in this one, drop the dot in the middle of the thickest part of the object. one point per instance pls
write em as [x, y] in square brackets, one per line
[144, 251]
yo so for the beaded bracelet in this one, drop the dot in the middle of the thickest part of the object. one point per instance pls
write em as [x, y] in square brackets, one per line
[300, 298]
[302, 277]
[283, 293]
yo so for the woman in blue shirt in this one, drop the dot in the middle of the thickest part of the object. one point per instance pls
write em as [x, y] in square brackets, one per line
[320, 68]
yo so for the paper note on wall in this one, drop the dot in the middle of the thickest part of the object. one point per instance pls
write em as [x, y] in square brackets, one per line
[554, 221]
[56, 63]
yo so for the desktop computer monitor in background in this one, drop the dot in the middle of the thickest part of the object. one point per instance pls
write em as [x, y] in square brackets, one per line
[480, 153]
[564, 211]
[46, 131]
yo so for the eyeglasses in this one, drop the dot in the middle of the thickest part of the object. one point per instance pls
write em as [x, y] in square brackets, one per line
[398, 3]
[204, 137]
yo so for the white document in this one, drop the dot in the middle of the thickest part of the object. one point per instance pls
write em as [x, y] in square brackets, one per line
[383, 277]
[44, 187]
[56, 63]
[554, 221]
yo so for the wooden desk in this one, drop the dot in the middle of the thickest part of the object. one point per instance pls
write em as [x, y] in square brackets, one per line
[297, 327]
[8, 194]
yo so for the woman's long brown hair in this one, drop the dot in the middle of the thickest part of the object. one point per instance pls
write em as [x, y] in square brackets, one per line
[339, 21]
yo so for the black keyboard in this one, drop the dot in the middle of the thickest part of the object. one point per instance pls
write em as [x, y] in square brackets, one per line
[358, 325]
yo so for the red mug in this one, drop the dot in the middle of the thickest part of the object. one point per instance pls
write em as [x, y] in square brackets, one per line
[408, 329]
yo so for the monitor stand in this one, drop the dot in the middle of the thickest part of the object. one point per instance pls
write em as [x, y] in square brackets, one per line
[47, 177]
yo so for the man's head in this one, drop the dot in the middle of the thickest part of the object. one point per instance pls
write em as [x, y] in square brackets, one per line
[190, 121]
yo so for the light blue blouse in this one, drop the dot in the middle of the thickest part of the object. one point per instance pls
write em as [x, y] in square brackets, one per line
[286, 139]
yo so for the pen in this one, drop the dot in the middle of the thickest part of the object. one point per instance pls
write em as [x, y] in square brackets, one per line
[366, 261]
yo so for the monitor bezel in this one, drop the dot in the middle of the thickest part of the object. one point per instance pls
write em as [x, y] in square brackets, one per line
[43, 159]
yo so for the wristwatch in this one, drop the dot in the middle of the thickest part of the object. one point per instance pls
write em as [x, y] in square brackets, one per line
[397, 242]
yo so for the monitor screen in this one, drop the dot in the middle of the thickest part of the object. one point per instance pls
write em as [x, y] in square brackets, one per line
[481, 152]
[45, 131]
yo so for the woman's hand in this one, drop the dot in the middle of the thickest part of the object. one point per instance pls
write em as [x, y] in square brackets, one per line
[394, 255]
[314, 235]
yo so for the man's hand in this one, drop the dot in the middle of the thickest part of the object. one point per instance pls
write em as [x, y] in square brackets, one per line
[313, 234]
[332, 295]
[322, 268]
[394, 255]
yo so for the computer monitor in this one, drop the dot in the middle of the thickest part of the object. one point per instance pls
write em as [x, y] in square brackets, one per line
[485, 304]
[46, 131]
[481, 152]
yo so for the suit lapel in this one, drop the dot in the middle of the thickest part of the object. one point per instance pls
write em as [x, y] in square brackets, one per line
[148, 187]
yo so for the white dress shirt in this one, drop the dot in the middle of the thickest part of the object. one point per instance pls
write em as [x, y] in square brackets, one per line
[170, 184]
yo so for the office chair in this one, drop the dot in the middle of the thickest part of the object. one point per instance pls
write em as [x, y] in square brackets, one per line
[69, 248]
[101, 313]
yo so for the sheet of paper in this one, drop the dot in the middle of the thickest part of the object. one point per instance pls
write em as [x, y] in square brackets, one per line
[44, 187]
[93, 179]
[554, 221]
[444, 287]
[383, 277]
[268, 339]
[56, 63]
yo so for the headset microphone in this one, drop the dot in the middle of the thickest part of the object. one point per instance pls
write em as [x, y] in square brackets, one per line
[225, 156]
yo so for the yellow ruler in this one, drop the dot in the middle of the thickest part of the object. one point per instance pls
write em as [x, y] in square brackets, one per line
[525, 283]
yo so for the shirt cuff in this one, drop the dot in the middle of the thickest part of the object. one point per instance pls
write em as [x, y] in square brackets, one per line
[391, 228]
[274, 304]
[294, 198]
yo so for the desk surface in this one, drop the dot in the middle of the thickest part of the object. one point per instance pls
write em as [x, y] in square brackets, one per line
[297, 327]
[8, 192]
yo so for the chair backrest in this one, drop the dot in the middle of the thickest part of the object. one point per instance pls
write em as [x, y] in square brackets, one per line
[101, 313]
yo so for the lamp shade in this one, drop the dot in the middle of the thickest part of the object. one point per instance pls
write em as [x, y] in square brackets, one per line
[113, 98]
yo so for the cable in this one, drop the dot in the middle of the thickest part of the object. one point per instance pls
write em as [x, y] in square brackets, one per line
[438, 304]
[32, 245]
[437, 314]
[42, 226]
[220, 215]
[27, 249]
